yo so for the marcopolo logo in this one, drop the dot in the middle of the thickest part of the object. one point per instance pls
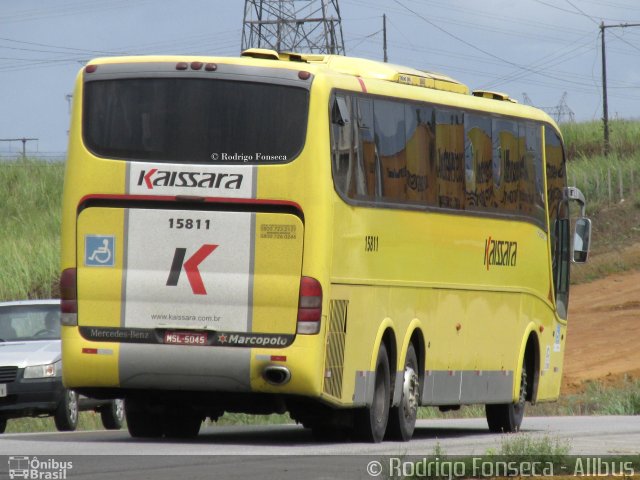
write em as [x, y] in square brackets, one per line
[252, 339]
[154, 177]
[35, 468]
[190, 267]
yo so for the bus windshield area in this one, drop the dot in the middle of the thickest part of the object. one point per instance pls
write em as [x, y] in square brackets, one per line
[194, 120]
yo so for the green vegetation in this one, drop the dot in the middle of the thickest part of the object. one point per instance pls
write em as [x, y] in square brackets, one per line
[599, 399]
[585, 139]
[604, 180]
[544, 448]
[86, 421]
[32, 193]
[596, 399]
[30, 224]
[29, 252]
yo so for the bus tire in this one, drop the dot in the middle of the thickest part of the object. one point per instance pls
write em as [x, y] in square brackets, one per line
[3, 424]
[507, 417]
[402, 419]
[66, 415]
[141, 421]
[182, 426]
[370, 423]
[112, 415]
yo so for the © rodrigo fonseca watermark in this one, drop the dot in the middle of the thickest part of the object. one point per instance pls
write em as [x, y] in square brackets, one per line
[484, 467]
[247, 157]
[38, 469]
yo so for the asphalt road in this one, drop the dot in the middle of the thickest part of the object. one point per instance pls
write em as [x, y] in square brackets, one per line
[289, 451]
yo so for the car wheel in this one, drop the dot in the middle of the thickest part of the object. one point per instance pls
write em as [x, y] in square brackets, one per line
[3, 425]
[113, 415]
[66, 415]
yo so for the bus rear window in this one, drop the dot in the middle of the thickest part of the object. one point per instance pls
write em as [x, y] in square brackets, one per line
[194, 120]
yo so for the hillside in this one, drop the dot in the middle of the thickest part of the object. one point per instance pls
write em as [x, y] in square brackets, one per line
[605, 297]
[603, 333]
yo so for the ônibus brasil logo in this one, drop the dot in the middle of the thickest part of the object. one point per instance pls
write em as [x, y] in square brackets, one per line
[190, 267]
[167, 178]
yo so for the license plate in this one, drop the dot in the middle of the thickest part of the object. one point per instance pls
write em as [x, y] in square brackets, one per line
[3, 389]
[185, 338]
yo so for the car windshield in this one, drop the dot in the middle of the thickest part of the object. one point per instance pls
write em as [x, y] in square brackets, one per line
[29, 322]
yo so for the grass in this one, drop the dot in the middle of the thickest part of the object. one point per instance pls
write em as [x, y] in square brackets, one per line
[32, 190]
[86, 421]
[544, 448]
[585, 139]
[596, 399]
[31, 193]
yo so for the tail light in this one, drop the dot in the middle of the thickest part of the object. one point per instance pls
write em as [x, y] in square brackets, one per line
[309, 306]
[69, 297]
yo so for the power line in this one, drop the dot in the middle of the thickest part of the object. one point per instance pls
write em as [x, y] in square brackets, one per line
[605, 105]
[24, 141]
[316, 27]
[485, 52]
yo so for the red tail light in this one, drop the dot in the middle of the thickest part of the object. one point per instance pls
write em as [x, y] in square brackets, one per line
[69, 297]
[309, 306]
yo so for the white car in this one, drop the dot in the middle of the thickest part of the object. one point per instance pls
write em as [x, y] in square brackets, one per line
[31, 373]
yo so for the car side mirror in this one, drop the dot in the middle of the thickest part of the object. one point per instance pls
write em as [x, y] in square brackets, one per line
[581, 240]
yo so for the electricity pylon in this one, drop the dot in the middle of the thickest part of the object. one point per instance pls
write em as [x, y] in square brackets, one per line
[305, 26]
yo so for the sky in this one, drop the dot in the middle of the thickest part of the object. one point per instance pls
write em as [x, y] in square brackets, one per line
[537, 48]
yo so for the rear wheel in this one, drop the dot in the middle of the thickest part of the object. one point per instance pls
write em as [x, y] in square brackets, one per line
[370, 423]
[182, 426]
[112, 415]
[507, 417]
[3, 424]
[66, 415]
[402, 419]
[142, 421]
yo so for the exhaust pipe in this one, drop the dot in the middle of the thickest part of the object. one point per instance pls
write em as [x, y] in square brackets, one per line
[276, 375]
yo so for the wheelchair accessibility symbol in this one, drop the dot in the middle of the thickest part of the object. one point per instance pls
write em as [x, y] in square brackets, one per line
[99, 250]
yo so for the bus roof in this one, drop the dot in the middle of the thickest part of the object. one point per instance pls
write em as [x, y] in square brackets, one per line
[360, 68]
[364, 68]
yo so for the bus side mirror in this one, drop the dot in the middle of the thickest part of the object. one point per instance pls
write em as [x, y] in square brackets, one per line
[581, 240]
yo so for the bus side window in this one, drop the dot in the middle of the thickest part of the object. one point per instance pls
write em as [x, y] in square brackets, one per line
[365, 174]
[342, 148]
[506, 174]
[534, 146]
[478, 162]
[391, 146]
[450, 158]
[421, 141]
[558, 219]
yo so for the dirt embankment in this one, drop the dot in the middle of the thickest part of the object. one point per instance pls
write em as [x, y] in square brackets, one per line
[603, 339]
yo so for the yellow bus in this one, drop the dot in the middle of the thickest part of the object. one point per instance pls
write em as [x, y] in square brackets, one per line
[339, 238]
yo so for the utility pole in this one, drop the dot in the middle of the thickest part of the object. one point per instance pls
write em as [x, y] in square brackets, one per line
[605, 105]
[310, 26]
[24, 143]
[384, 36]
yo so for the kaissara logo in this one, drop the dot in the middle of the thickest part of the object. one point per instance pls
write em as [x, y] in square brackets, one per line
[502, 253]
[190, 267]
[167, 178]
